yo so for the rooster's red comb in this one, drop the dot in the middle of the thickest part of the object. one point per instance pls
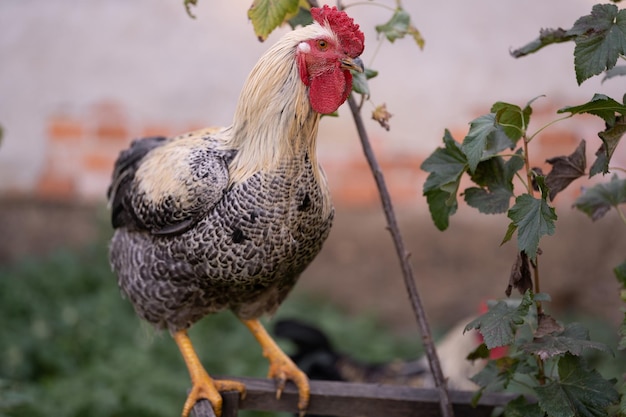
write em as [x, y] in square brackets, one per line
[351, 38]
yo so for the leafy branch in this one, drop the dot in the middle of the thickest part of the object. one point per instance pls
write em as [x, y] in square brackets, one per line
[544, 356]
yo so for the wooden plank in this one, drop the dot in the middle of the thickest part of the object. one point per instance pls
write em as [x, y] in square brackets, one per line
[355, 399]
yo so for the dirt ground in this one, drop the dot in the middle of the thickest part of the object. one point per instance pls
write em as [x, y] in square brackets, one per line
[455, 271]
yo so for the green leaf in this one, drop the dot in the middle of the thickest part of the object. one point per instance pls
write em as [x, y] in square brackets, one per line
[622, 333]
[566, 169]
[614, 72]
[610, 139]
[600, 40]
[596, 201]
[620, 273]
[267, 15]
[445, 166]
[533, 218]
[303, 17]
[579, 391]
[509, 233]
[499, 324]
[573, 339]
[485, 139]
[481, 352]
[520, 407]
[359, 81]
[601, 164]
[188, 4]
[417, 36]
[513, 120]
[397, 27]
[496, 178]
[601, 106]
[442, 206]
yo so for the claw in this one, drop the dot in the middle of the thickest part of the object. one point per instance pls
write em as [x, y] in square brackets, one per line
[204, 387]
[282, 367]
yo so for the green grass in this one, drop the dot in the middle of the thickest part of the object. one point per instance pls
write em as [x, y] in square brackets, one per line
[71, 346]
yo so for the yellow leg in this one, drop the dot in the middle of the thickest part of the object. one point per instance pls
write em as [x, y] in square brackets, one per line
[282, 367]
[203, 386]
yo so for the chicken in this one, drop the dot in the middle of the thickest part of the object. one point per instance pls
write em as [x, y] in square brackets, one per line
[229, 218]
[316, 356]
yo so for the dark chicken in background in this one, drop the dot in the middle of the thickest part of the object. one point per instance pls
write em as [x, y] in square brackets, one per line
[229, 218]
[320, 360]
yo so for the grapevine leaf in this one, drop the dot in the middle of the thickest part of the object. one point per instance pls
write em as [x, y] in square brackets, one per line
[488, 202]
[495, 176]
[578, 392]
[546, 325]
[622, 333]
[359, 84]
[382, 116]
[417, 36]
[614, 72]
[499, 324]
[596, 201]
[512, 118]
[610, 138]
[303, 17]
[267, 15]
[520, 277]
[574, 339]
[442, 206]
[601, 164]
[188, 4]
[566, 169]
[600, 40]
[546, 37]
[520, 407]
[445, 167]
[620, 274]
[497, 374]
[533, 218]
[485, 139]
[601, 106]
[509, 233]
[481, 352]
[359, 81]
[397, 27]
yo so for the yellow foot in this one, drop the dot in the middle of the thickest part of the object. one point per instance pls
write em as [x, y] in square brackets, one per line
[203, 386]
[282, 367]
[282, 371]
[209, 389]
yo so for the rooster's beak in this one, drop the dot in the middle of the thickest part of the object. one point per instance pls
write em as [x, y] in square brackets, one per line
[354, 64]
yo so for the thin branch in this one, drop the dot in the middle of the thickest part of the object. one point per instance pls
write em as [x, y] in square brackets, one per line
[403, 255]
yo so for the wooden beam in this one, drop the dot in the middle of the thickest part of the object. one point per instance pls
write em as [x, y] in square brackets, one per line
[352, 400]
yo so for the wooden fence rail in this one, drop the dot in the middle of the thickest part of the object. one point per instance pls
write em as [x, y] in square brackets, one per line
[352, 400]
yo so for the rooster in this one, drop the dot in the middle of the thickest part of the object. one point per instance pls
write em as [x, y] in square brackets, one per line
[229, 218]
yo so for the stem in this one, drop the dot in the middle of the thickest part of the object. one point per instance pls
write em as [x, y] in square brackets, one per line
[529, 174]
[621, 214]
[531, 192]
[547, 126]
[403, 255]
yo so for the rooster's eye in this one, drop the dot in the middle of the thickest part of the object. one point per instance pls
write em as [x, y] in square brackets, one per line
[322, 44]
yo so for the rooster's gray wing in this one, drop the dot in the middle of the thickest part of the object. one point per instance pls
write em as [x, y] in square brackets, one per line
[165, 186]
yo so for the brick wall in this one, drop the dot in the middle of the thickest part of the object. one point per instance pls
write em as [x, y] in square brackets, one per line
[82, 148]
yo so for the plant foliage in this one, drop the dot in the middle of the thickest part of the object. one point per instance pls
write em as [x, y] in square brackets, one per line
[545, 358]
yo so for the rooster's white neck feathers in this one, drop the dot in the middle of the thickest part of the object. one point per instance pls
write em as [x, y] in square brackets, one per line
[273, 120]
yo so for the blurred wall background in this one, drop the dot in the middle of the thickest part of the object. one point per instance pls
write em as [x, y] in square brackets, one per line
[79, 79]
